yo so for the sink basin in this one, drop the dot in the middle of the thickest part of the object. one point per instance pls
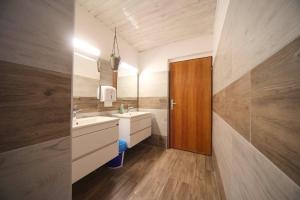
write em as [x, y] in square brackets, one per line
[130, 114]
[134, 127]
[89, 121]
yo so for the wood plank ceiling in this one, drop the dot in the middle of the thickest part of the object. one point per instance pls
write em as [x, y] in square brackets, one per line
[150, 23]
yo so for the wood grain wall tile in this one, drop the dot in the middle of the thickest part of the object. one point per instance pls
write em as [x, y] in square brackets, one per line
[153, 102]
[92, 104]
[275, 127]
[252, 32]
[233, 104]
[255, 176]
[106, 73]
[35, 105]
[127, 102]
[218, 177]
[222, 147]
[40, 171]
[246, 173]
[37, 33]
[86, 104]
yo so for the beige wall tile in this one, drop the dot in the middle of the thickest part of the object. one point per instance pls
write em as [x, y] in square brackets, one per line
[255, 176]
[37, 33]
[253, 31]
[93, 105]
[275, 106]
[246, 172]
[127, 86]
[159, 121]
[233, 104]
[84, 87]
[35, 105]
[40, 171]
[153, 84]
[222, 146]
[153, 102]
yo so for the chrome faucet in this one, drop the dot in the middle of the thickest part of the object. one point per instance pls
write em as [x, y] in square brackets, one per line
[75, 111]
[129, 108]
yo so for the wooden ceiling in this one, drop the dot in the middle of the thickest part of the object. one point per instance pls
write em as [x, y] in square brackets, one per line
[149, 23]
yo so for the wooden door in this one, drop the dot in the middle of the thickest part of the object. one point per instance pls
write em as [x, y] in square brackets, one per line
[190, 117]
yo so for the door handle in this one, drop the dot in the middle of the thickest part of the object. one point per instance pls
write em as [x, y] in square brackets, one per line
[172, 104]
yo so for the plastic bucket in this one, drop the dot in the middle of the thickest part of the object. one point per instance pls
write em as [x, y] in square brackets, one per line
[117, 162]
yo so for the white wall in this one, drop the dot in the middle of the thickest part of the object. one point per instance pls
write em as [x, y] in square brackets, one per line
[157, 59]
[154, 63]
[97, 34]
[221, 10]
[154, 67]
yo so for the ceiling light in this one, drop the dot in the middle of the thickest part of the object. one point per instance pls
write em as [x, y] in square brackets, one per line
[81, 46]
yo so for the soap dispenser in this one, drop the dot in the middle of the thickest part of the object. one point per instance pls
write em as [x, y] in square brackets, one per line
[121, 110]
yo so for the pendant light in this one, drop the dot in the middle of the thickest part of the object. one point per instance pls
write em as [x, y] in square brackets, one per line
[115, 56]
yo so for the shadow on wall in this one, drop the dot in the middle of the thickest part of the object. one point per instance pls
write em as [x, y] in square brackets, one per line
[155, 127]
[156, 138]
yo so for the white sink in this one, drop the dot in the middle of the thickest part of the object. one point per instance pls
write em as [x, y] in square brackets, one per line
[90, 121]
[94, 142]
[134, 127]
[130, 114]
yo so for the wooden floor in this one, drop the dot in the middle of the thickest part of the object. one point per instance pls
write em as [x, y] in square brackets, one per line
[152, 173]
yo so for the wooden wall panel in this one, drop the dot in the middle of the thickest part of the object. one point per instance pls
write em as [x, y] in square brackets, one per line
[40, 171]
[253, 31]
[254, 176]
[36, 57]
[91, 104]
[37, 33]
[233, 104]
[275, 127]
[218, 177]
[35, 105]
[106, 73]
[153, 102]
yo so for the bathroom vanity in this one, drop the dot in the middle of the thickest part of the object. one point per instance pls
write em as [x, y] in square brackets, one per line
[94, 143]
[134, 127]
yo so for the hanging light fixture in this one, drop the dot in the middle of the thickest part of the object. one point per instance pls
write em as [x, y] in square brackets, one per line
[115, 56]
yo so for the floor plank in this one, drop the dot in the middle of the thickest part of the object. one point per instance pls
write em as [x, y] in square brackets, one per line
[152, 172]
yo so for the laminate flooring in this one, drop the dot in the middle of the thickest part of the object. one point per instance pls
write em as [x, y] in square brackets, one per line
[151, 172]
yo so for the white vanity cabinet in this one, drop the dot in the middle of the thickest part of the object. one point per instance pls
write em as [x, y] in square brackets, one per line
[134, 127]
[94, 143]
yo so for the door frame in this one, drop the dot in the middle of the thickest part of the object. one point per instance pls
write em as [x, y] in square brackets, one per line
[185, 58]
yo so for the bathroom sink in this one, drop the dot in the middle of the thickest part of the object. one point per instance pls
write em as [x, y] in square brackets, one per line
[134, 127]
[94, 143]
[89, 121]
[131, 114]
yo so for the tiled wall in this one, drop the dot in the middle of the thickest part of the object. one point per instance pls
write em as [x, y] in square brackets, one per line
[84, 97]
[127, 86]
[93, 105]
[256, 100]
[84, 86]
[153, 97]
[35, 99]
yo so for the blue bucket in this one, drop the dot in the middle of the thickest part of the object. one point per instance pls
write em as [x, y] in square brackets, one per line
[117, 162]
